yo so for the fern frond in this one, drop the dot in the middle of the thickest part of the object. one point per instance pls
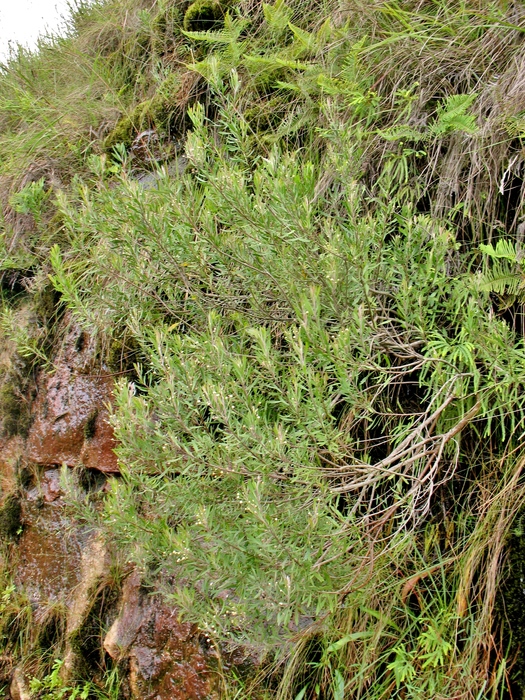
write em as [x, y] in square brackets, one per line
[273, 63]
[504, 249]
[308, 40]
[277, 15]
[452, 116]
[502, 279]
[229, 34]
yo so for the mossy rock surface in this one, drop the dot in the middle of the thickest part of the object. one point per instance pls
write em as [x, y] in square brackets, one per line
[14, 417]
[158, 113]
[122, 133]
[123, 354]
[203, 15]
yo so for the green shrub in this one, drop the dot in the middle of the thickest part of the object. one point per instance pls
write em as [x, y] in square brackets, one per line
[321, 444]
[316, 372]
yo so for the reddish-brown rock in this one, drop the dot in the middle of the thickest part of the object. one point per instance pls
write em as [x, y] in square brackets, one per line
[167, 658]
[125, 628]
[49, 555]
[70, 415]
[50, 485]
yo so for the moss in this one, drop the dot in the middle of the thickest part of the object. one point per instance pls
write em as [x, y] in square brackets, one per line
[10, 517]
[203, 15]
[158, 113]
[162, 106]
[14, 410]
[47, 304]
[266, 115]
[122, 133]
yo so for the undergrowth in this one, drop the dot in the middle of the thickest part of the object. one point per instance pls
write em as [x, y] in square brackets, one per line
[322, 444]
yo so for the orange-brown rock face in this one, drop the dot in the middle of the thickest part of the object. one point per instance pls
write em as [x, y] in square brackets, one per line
[168, 661]
[70, 416]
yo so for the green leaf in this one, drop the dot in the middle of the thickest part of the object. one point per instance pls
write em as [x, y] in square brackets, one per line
[355, 636]
[453, 117]
[308, 40]
[339, 685]
[504, 249]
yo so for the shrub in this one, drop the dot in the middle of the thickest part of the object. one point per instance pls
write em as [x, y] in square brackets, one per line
[321, 445]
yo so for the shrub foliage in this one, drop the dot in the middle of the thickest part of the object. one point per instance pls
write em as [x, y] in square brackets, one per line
[322, 448]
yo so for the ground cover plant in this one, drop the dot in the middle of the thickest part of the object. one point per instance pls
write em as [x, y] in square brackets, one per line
[322, 443]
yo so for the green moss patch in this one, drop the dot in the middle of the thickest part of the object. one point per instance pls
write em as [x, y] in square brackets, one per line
[203, 15]
[161, 112]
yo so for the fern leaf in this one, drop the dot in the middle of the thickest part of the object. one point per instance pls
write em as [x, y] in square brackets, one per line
[277, 15]
[230, 33]
[308, 40]
[501, 280]
[274, 63]
[504, 249]
[452, 116]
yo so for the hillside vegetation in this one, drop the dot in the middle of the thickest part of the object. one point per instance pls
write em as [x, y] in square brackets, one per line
[308, 277]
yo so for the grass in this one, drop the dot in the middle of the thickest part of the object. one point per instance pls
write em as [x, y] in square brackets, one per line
[321, 440]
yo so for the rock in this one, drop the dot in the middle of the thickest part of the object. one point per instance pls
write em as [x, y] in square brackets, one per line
[146, 146]
[50, 485]
[124, 630]
[94, 564]
[167, 657]
[19, 688]
[64, 568]
[70, 415]
[48, 566]
[175, 168]
[168, 661]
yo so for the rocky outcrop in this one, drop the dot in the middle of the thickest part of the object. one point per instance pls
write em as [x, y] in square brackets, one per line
[19, 688]
[48, 551]
[64, 570]
[12, 450]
